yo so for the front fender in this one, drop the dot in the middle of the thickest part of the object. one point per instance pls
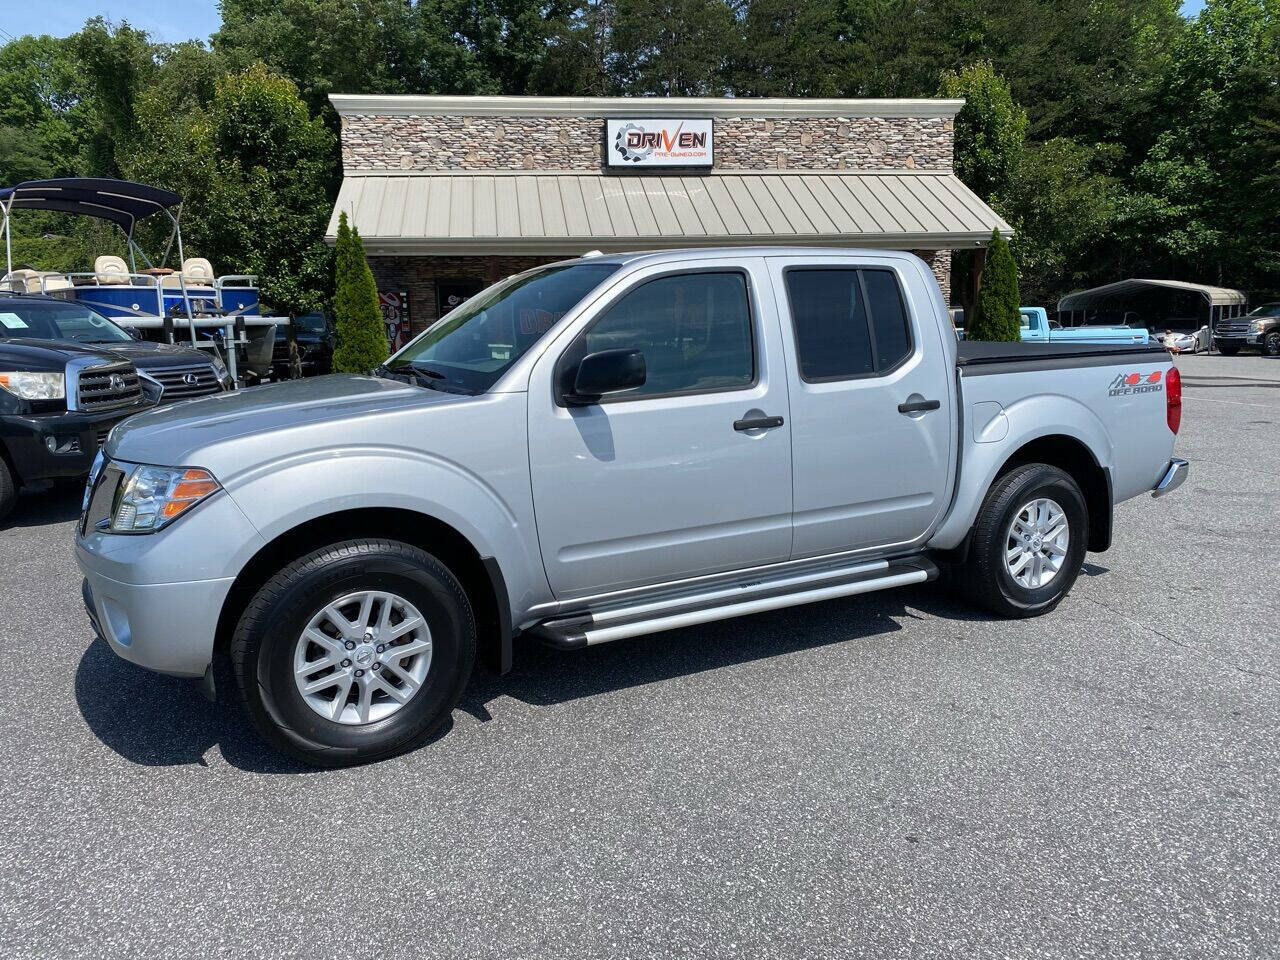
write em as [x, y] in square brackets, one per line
[493, 513]
[1028, 419]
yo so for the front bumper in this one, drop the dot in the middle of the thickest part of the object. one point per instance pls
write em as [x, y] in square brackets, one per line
[58, 446]
[166, 627]
[1172, 478]
[135, 600]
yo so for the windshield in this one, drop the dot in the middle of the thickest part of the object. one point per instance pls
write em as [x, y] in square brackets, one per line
[478, 342]
[1266, 310]
[46, 320]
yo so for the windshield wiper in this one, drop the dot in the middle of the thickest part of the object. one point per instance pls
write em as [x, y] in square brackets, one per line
[431, 379]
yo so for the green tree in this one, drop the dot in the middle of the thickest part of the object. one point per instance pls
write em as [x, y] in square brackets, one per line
[255, 171]
[995, 315]
[990, 127]
[790, 48]
[672, 48]
[1065, 207]
[361, 335]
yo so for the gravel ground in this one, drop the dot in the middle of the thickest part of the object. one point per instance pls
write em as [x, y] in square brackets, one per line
[887, 776]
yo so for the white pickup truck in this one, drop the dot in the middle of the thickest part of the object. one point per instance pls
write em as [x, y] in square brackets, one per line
[598, 449]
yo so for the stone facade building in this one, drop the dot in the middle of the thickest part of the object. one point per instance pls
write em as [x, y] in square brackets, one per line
[454, 193]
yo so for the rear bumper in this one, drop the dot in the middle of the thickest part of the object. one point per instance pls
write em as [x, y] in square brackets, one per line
[1172, 478]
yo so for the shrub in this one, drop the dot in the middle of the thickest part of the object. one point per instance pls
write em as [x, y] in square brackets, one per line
[361, 334]
[996, 311]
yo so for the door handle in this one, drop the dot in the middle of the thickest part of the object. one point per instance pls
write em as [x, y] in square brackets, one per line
[757, 423]
[919, 406]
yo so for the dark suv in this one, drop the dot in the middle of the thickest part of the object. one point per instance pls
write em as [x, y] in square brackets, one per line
[1257, 330]
[304, 347]
[68, 375]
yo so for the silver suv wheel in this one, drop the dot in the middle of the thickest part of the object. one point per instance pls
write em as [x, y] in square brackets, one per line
[1036, 545]
[362, 657]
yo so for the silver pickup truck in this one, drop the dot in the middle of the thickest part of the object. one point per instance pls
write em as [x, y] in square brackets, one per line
[598, 449]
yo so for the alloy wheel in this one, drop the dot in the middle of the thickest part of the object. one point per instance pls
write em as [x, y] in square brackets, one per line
[1036, 544]
[362, 657]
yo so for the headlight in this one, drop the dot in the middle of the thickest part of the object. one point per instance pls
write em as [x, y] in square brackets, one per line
[35, 386]
[151, 498]
[1257, 325]
[219, 367]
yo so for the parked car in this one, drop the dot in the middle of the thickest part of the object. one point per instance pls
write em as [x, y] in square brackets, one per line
[1036, 326]
[1258, 329]
[304, 347]
[599, 449]
[67, 376]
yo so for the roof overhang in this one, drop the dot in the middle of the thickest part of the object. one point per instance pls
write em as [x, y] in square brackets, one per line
[553, 214]
[348, 104]
[1123, 289]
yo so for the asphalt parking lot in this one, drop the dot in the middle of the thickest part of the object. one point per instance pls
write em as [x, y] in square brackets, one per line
[886, 776]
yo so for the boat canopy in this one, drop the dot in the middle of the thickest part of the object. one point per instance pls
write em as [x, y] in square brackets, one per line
[120, 201]
[1122, 290]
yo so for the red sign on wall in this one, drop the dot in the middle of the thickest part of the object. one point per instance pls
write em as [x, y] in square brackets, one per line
[395, 314]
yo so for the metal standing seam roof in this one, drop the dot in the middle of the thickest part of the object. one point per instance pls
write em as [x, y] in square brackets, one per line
[448, 213]
[1216, 296]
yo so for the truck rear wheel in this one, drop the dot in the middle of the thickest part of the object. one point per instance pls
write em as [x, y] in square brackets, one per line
[1028, 542]
[354, 653]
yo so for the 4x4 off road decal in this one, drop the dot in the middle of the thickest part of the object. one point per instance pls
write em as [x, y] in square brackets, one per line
[1127, 384]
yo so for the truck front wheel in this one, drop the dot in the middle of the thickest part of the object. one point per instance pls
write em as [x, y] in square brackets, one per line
[1028, 542]
[8, 490]
[356, 652]
[1271, 344]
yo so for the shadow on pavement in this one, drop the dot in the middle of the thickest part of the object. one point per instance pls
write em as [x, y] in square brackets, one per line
[153, 720]
[57, 504]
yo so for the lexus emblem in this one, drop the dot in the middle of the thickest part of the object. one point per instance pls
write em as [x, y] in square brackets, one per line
[190, 379]
[117, 382]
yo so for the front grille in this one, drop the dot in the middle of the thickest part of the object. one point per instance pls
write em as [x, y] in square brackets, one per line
[108, 386]
[188, 380]
[1232, 328]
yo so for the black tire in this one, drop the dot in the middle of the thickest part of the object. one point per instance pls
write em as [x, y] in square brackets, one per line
[8, 490]
[1271, 344]
[262, 650]
[986, 577]
[1228, 351]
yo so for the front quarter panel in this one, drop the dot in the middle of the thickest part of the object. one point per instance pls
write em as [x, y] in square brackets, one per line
[465, 465]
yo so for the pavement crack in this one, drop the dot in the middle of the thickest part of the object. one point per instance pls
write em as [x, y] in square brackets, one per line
[1207, 655]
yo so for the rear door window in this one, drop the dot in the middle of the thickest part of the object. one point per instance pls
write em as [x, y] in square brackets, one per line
[848, 322]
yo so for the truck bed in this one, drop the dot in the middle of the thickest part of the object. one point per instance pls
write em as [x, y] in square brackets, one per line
[975, 357]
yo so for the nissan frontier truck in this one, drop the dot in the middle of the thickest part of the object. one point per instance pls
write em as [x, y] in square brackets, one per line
[600, 449]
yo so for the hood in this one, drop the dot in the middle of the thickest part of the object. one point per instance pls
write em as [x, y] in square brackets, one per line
[152, 356]
[54, 354]
[229, 432]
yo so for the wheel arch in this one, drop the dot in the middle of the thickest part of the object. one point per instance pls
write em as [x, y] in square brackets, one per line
[1075, 459]
[481, 576]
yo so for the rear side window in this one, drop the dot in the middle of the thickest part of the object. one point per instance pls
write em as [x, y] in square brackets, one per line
[848, 323]
[694, 330]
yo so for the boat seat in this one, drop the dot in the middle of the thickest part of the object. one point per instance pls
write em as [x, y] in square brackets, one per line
[48, 283]
[111, 269]
[19, 281]
[198, 270]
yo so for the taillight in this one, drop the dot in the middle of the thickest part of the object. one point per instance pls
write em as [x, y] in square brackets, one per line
[1173, 398]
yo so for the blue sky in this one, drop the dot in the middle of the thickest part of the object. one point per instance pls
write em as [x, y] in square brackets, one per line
[170, 20]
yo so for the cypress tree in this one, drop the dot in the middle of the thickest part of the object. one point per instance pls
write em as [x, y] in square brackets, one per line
[361, 334]
[996, 311]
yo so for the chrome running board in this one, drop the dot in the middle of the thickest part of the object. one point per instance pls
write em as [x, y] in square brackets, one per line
[723, 603]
